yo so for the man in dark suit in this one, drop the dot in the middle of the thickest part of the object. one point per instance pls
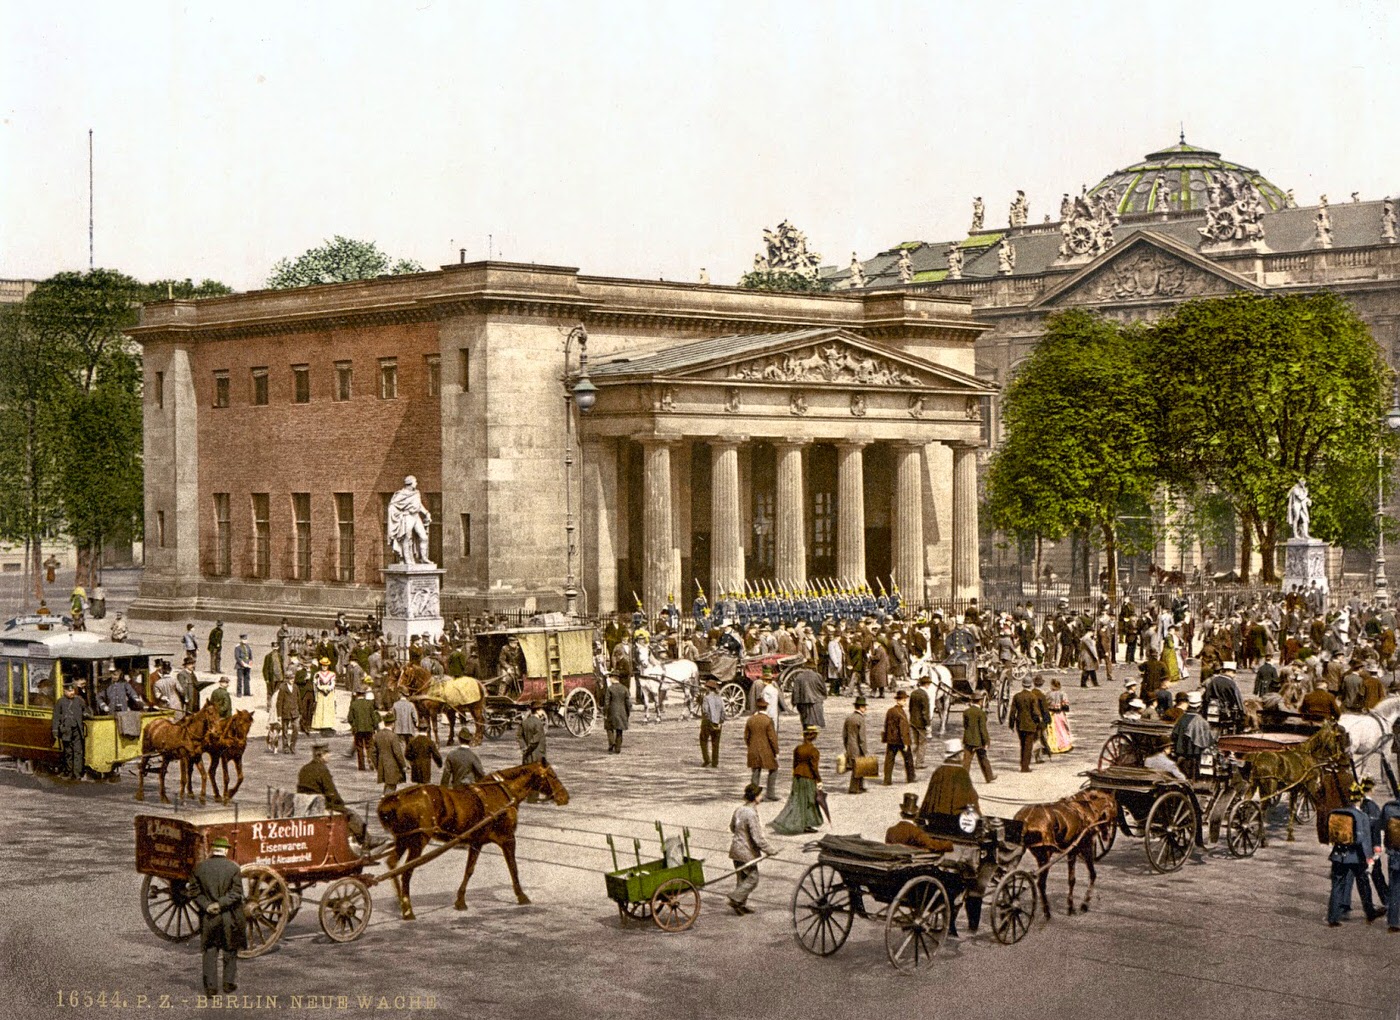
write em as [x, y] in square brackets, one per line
[1026, 720]
[897, 739]
[421, 753]
[68, 716]
[853, 738]
[462, 768]
[315, 778]
[216, 886]
[920, 715]
[975, 738]
[617, 710]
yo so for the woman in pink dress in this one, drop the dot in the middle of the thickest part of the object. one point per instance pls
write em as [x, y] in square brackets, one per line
[1061, 739]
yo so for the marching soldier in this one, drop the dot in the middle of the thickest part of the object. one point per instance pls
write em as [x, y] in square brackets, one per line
[671, 615]
[1390, 835]
[700, 611]
[1349, 832]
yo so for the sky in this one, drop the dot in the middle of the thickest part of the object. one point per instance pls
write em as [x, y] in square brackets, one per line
[645, 140]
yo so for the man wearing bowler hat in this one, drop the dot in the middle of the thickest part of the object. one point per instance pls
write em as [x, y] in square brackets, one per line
[853, 737]
[897, 739]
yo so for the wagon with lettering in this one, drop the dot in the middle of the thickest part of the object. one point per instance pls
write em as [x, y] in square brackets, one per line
[280, 859]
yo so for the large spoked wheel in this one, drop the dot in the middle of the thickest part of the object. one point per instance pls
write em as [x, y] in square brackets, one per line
[496, 728]
[1003, 698]
[1119, 749]
[917, 922]
[822, 910]
[1103, 836]
[345, 910]
[1170, 831]
[675, 905]
[266, 906]
[1244, 828]
[1013, 906]
[1303, 810]
[580, 711]
[1128, 823]
[168, 909]
[735, 699]
[633, 911]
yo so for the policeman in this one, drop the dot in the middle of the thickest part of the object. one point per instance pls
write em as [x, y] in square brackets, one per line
[1390, 834]
[1349, 831]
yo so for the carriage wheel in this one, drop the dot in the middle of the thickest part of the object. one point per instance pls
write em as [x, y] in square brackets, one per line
[1119, 749]
[638, 911]
[693, 698]
[675, 905]
[580, 711]
[496, 728]
[1170, 831]
[345, 910]
[1013, 906]
[1103, 836]
[1128, 823]
[1244, 828]
[822, 910]
[1020, 669]
[735, 699]
[168, 909]
[267, 906]
[1303, 810]
[916, 923]
[1003, 699]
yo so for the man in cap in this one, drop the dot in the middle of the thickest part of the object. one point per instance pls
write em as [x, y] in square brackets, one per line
[1191, 736]
[190, 686]
[1319, 704]
[216, 887]
[315, 778]
[1026, 720]
[216, 646]
[531, 738]
[976, 739]
[897, 739]
[121, 696]
[761, 741]
[747, 848]
[617, 709]
[363, 720]
[1349, 832]
[221, 700]
[243, 666]
[711, 723]
[920, 716]
[68, 716]
[853, 738]
[1222, 689]
[1390, 836]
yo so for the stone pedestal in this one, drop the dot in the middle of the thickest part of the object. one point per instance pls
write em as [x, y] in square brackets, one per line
[1305, 561]
[411, 601]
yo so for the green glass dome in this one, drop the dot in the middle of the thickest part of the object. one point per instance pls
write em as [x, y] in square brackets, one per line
[1178, 176]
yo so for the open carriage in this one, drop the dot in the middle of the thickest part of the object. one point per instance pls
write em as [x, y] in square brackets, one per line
[558, 671]
[736, 684]
[918, 891]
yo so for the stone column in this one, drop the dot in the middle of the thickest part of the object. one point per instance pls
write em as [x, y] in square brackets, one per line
[726, 545]
[656, 525]
[909, 522]
[599, 518]
[967, 583]
[790, 531]
[850, 511]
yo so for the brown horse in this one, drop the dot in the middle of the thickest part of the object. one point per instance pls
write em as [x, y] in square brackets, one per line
[226, 742]
[182, 740]
[1273, 773]
[1067, 827]
[486, 809]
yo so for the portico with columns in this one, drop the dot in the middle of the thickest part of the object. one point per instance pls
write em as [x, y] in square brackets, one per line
[778, 459]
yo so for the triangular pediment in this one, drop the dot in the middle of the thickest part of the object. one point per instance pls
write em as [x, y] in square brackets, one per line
[810, 357]
[1147, 268]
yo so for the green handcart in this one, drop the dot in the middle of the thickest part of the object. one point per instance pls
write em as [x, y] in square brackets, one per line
[667, 890]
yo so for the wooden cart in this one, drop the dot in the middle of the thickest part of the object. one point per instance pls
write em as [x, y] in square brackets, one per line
[667, 889]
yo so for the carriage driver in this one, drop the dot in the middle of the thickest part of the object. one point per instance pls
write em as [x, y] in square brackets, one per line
[315, 778]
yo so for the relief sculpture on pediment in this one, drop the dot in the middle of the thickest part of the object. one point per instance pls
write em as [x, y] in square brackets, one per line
[1147, 274]
[831, 363]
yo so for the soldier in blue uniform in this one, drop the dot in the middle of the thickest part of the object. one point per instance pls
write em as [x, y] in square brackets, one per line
[1373, 815]
[1351, 851]
[843, 604]
[700, 611]
[639, 618]
[671, 615]
[896, 603]
[1390, 835]
[744, 612]
[867, 601]
[882, 603]
[728, 608]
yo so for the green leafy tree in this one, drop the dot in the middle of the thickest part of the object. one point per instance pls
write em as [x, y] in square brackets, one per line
[337, 261]
[183, 290]
[1257, 392]
[1078, 453]
[83, 315]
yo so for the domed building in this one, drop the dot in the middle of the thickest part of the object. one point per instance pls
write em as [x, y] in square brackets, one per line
[1176, 180]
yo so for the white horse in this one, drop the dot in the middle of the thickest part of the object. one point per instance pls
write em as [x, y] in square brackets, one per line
[657, 677]
[941, 695]
[1371, 732]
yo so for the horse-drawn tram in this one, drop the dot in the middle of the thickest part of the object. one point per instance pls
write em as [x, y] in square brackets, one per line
[919, 890]
[551, 664]
[36, 665]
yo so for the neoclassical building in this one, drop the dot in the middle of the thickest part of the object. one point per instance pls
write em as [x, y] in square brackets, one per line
[737, 436]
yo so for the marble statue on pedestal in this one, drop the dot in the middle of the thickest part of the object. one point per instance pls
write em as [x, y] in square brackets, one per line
[955, 262]
[905, 265]
[408, 522]
[857, 272]
[1388, 221]
[979, 212]
[1299, 509]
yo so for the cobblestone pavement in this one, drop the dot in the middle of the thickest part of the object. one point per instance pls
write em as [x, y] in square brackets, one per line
[1220, 938]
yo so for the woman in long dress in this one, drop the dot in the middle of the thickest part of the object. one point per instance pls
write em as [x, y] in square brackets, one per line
[1061, 739]
[800, 814]
[1171, 657]
[323, 685]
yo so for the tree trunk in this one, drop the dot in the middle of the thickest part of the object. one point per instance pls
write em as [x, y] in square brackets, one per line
[1110, 555]
[36, 567]
[1246, 547]
[1268, 553]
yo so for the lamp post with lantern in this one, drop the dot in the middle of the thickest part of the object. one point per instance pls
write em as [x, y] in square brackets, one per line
[579, 392]
[1390, 422]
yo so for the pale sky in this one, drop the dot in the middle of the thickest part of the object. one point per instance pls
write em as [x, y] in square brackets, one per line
[649, 139]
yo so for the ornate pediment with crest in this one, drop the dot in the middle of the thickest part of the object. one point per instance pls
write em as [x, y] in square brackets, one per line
[826, 363]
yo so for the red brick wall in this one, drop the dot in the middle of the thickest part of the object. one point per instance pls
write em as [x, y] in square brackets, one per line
[363, 446]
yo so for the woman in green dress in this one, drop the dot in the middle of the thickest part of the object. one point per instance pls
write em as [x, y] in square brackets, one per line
[800, 814]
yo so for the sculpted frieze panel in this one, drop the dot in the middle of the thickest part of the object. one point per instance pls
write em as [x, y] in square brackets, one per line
[827, 363]
[1148, 274]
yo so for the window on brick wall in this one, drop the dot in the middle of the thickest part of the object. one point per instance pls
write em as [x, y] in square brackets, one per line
[301, 523]
[345, 535]
[221, 389]
[301, 384]
[388, 378]
[432, 375]
[466, 535]
[464, 369]
[160, 389]
[344, 376]
[260, 387]
[223, 536]
[433, 502]
[262, 535]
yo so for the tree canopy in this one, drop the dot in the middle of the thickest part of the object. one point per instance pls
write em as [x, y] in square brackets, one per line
[339, 260]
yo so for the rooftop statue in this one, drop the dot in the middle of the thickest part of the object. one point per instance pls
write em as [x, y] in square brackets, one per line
[1388, 221]
[1234, 211]
[978, 213]
[785, 250]
[905, 265]
[857, 272]
[1006, 257]
[955, 262]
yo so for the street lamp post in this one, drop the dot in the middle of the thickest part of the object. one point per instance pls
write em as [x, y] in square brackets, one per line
[579, 392]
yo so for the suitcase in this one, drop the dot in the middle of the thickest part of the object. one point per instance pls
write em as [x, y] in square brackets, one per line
[866, 767]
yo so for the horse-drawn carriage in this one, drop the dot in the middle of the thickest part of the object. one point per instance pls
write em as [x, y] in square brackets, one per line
[35, 665]
[558, 671]
[959, 680]
[920, 890]
[736, 684]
